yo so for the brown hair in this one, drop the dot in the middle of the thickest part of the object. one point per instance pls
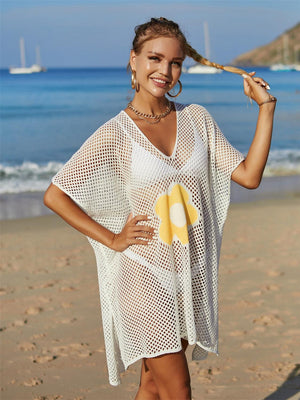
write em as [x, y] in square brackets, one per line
[158, 27]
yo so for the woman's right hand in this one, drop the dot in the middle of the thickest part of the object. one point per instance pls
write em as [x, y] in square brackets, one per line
[132, 233]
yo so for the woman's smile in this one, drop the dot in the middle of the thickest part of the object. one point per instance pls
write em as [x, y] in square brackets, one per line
[160, 82]
[159, 63]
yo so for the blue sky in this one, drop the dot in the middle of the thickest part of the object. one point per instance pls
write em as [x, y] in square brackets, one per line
[94, 33]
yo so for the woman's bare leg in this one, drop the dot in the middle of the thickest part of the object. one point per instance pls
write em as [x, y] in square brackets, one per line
[150, 387]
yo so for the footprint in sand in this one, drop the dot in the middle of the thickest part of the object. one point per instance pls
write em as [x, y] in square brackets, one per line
[66, 305]
[67, 320]
[38, 336]
[53, 397]
[270, 288]
[275, 273]
[43, 285]
[62, 262]
[205, 375]
[33, 382]
[264, 289]
[237, 333]
[19, 322]
[34, 310]
[80, 350]
[74, 349]
[268, 320]
[43, 359]
[7, 290]
[27, 346]
[67, 289]
[248, 345]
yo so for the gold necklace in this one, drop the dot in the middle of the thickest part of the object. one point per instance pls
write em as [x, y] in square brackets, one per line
[156, 117]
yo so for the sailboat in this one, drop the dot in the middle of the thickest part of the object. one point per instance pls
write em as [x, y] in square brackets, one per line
[27, 70]
[284, 66]
[200, 68]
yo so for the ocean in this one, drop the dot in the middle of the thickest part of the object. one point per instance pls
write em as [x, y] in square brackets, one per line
[45, 117]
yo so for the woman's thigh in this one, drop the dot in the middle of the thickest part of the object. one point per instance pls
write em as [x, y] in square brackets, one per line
[169, 374]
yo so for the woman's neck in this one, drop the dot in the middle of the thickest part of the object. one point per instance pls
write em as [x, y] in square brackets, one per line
[150, 105]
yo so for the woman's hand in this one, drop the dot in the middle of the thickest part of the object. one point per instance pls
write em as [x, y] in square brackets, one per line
[133, 233]
[256, 88]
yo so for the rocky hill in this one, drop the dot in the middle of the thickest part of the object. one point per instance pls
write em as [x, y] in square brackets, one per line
[284, 49]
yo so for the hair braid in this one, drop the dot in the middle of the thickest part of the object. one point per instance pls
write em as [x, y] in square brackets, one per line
[191, 52]
[162, 27]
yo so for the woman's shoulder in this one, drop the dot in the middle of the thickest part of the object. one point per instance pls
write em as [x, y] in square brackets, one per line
[195, 111]
[191, 107]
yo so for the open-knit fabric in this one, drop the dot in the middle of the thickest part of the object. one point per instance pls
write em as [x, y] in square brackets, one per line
[152, 296]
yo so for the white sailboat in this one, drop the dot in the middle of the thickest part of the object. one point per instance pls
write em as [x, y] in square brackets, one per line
[284, 66]
[27, 70]
[200, 68]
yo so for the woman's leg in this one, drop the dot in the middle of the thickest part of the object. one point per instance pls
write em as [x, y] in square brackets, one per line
[165, 378]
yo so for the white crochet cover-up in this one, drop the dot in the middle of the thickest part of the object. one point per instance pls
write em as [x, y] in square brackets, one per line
[152, 296]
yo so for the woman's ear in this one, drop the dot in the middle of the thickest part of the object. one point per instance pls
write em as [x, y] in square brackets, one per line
[132, 60]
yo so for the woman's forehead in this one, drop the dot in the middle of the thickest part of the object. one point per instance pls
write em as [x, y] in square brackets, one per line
[163, 45]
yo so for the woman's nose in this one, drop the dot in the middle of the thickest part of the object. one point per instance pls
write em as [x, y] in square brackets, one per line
[165, 68]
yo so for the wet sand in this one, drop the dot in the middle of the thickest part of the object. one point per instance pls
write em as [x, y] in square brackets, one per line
[51, 333]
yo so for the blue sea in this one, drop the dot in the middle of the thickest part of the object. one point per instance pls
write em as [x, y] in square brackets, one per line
[45, 117]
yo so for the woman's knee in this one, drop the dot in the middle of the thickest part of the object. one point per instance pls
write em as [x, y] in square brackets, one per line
[149, 386]
[171, 375]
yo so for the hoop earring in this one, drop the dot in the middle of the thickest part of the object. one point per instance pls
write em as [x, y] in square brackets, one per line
[134, 83]
[133, 79]
[180, 90]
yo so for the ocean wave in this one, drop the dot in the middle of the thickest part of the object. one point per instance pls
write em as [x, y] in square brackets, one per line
[34, 177]
[283, 162]
[27, 177]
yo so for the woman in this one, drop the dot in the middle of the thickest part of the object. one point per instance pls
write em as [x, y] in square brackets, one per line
[150, 189]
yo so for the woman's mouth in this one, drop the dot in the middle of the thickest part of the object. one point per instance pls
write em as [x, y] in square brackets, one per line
[160, 82]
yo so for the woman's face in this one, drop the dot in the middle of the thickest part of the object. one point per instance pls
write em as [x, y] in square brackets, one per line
[158, 65]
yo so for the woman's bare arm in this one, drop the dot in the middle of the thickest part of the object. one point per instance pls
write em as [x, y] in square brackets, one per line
[250, 171]
[66, 208]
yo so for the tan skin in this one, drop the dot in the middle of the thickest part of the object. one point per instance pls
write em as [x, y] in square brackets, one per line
[158, 68]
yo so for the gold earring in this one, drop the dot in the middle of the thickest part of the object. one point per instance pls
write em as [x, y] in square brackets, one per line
[180, 90]
[134, 84]
[133, 79]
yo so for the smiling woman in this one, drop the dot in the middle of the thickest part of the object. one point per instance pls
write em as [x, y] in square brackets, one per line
[151, 188]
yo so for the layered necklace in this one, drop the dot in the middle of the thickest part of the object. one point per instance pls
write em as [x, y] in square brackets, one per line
[146, 117]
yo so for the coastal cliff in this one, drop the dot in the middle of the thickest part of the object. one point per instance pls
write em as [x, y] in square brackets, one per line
[284, 49]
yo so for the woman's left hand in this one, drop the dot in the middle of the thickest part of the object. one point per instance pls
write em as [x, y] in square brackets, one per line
[256, 88]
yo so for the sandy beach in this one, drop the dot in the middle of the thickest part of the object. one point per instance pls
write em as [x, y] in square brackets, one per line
[51, 333]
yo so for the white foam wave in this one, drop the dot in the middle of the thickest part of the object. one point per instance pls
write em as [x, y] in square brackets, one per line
[27, 177]
[283, 162]
[34, 177]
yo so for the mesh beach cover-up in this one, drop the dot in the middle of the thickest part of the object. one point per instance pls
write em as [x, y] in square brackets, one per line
[152, 296]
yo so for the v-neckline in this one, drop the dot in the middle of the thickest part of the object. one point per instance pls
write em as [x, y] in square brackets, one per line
[148, 140]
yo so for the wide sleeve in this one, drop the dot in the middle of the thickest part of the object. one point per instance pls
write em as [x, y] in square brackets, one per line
[93, 176]
[223, 159]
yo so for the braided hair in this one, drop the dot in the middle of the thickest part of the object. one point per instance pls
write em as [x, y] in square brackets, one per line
[158, 27]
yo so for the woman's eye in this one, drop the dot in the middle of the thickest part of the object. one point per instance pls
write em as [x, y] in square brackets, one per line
[177, 63]
[154, 58]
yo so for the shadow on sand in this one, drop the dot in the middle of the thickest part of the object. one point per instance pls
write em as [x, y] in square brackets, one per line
[289, 388]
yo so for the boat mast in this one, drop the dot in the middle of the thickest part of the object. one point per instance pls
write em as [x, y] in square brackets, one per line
[22, 52]
[206, 40]
[285, 49]
[38, 55]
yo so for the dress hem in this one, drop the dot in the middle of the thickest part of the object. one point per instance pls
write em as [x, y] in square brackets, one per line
[168, 351]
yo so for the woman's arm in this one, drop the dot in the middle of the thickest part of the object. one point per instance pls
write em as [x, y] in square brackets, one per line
[66, 208]
[250, 171]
